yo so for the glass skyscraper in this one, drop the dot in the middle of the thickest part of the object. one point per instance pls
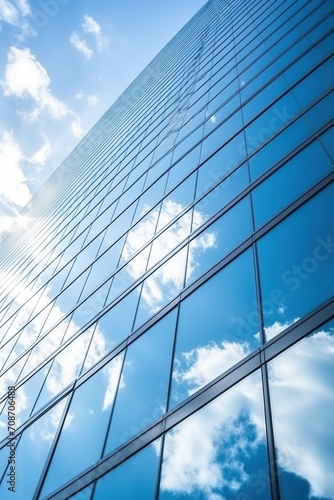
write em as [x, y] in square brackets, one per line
[167, 311]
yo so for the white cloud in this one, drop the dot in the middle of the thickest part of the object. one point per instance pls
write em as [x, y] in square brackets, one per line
[166, 282]
[67, 364]
[6, 222]
[11, 13]
[301, 384]
[8, 12]
[16, 15]
[81, 45]
[24, 7]
[201, 365]
[90, 26]
[77, 129]
[171, 274]
[40, 157]
[43, 430]
[25, 78]
[277, 327]
[220, 441]
[13, 187]
[112, 371]
[92, 100]
[302, 396]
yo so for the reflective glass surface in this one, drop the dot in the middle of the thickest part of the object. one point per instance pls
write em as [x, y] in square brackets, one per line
[279, 147]
[301, 384]
[85, 426]
[300, 173]
[220, 451]
[136, 478]
[296, 263]
[220, 164]
[162, 286]
[218, 326]
[224, 192]
[142, 393]
[221, 237]
[189, 227]
[31, 454]
[65, 367]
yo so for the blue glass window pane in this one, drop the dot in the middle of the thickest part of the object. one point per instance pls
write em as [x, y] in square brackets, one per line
[304, 64]
[140, 234]
[73, 249]
[298, 175]
[322, 113]
[88, 309]
[220, 451]
[162, 286]
[119, 225]
[25, 396]
[301, 382]
[248, 62]
[218, 112]
[142, 394]
[218, 326]
[316, 84]
[177, 201]
[250, 88]
[67, 299]
[128, 274]
[293, 52]
[187, 143]
[219, 165]
[104, 218]
[116, 324]
[58, 280]
[32, 452]
[186, 165]
[328, 142]
[135, 478]
[224, 88]
[21, 368]
[221, 135]
[328, 43]
[225, 192]
[84, 429]
[280, 146]
[129, 195]
[171, 237]
[65, 368]
[45, 347]
[296, 263]
[115, 192]
[159, 166]
[84, 259]
[150, 198]
[104, 266]
[263, 98]
[219, 239]
[275, 118]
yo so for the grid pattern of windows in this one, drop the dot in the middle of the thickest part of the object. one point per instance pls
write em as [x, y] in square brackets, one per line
[166, 296]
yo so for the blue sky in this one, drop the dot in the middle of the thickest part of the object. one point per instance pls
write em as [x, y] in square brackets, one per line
[62, 64]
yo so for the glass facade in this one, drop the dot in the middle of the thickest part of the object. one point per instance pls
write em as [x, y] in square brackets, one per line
[167, 298]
